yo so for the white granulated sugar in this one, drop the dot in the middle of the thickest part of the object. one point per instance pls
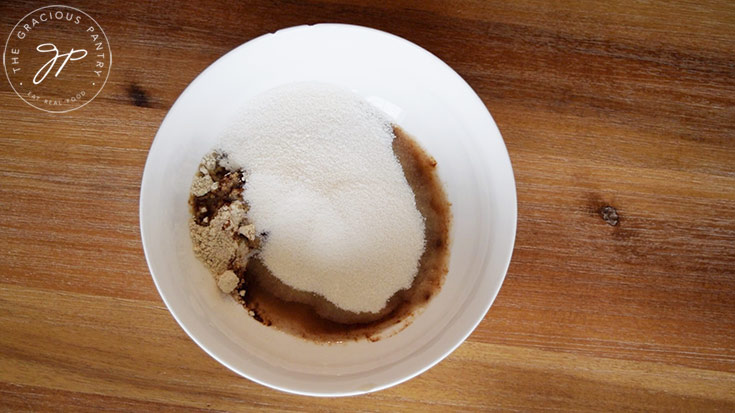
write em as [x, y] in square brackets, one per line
[324, 183]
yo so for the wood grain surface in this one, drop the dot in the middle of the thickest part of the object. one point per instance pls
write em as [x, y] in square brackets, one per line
[619, 117]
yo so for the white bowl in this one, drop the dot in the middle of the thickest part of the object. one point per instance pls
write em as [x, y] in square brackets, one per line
[428, 100]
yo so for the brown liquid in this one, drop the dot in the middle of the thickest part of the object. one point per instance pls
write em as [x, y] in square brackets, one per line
[311, 316]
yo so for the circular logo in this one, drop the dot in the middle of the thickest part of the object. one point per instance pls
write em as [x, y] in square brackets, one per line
[57, 58]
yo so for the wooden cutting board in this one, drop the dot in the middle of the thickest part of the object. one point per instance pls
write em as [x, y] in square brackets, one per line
[620, 122]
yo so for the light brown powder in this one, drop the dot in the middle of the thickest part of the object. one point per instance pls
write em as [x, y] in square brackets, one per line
[215, 244]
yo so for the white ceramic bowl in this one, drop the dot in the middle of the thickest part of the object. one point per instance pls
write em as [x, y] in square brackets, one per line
[427, 99]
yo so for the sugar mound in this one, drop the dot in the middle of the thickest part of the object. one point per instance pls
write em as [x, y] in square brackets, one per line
[324, 184]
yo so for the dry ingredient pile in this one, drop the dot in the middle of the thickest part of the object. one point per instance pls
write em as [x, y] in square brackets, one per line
[223, 238]
[322, 199]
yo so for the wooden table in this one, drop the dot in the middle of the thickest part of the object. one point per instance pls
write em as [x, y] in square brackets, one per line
[620, 122]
